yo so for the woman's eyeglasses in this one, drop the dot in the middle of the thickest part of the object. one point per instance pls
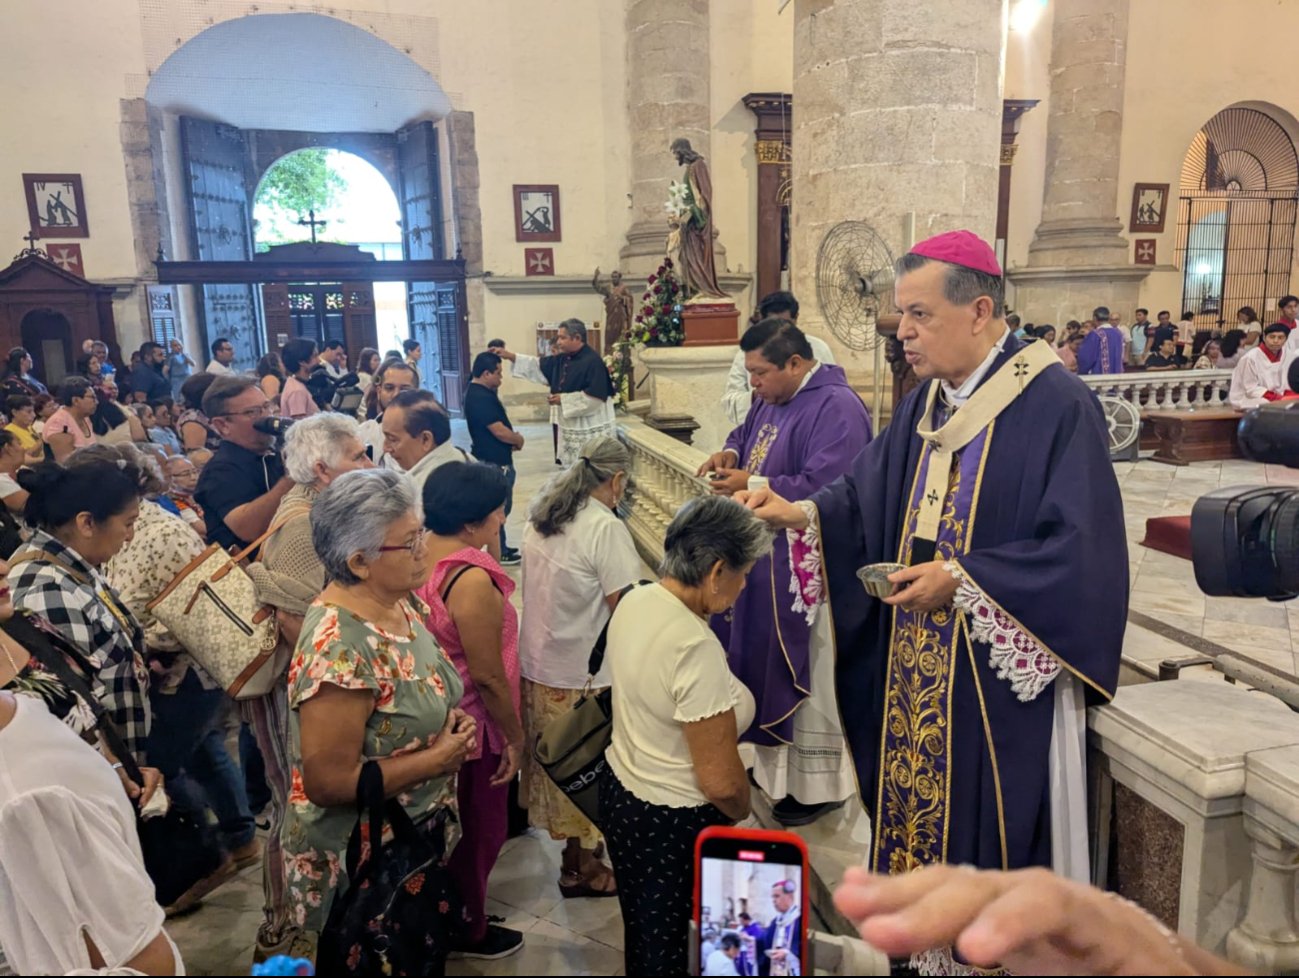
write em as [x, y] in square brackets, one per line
[414, 546]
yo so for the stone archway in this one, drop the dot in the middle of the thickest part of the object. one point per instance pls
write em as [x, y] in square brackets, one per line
[1238, 196]
[299, 77]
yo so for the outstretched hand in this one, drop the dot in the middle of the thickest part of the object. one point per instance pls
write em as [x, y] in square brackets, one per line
[772, 509]
[1028, 921]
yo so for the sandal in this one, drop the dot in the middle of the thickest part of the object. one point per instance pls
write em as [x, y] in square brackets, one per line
[573, 885]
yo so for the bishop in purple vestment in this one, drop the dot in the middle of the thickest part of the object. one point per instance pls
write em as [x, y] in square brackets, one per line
[802, 432]
[964, 691]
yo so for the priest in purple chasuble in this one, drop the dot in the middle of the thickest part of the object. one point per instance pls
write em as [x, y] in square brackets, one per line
[1102, 349]
[964, 691]
[801, 433]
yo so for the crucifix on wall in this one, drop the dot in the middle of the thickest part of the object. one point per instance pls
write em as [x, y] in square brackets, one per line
[312, 223]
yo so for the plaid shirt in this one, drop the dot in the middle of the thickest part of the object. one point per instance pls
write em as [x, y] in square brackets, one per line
[74, 597]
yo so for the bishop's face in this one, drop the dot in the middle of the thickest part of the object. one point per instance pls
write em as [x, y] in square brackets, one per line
[940, 339]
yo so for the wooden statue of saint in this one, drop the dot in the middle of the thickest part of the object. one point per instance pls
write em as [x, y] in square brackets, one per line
[697, 266]
[618, 307]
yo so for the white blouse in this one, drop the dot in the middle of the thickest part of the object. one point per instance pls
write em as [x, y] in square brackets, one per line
[667, 669]
[70, 857]
[566, 578]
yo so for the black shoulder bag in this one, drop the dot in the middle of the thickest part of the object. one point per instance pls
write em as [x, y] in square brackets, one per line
[400, 912]
[571, 750]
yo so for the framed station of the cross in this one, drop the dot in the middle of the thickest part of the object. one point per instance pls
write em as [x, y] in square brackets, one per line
[56, 205]
[536, 212]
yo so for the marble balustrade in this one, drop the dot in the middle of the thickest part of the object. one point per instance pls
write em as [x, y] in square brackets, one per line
[1267, 938]
[1196, 813]
[662, 480]
[1166, 390]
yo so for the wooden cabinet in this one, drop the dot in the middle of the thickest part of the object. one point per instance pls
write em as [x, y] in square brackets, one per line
[51, 312]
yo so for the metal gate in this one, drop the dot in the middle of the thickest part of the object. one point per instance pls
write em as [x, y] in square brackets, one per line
[1236, 218]
[1235, 249]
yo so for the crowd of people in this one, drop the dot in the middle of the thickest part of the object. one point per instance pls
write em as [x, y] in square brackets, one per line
[380, 549]
[1258, 356]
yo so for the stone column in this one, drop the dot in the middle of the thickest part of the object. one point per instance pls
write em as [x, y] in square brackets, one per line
[1078, 258]
[667, 97]
[771, 146]
[899, 116]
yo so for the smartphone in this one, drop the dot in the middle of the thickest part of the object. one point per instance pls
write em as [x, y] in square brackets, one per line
[750, 903]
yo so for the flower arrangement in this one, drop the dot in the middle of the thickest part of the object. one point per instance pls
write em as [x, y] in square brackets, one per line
[619, 365]
[658, 323]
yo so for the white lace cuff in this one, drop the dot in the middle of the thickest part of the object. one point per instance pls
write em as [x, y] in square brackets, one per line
[1017, 656]
[806, 583]
[939, 961]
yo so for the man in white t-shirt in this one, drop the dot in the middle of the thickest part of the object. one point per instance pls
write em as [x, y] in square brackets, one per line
[739, 392]
[223, 354]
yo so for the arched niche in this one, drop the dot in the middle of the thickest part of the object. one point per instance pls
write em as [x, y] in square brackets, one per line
[1238, 197]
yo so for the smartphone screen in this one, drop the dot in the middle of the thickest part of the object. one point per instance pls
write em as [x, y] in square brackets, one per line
[750, 896]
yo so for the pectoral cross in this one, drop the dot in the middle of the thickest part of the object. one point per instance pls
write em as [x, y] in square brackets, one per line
[312, 223]
[1021, 369]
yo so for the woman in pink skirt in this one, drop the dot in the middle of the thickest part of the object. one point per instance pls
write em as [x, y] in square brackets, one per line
[471, 616]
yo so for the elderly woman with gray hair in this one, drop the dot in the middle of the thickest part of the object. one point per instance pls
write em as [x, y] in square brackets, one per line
[367, 682]
[674, 761]
[577, 558]
[289, 576]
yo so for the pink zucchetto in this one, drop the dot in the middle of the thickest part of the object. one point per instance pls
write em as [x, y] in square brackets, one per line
[964, 248]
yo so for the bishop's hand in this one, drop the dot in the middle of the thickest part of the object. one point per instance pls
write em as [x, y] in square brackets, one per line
[923, 587]
[772, 509]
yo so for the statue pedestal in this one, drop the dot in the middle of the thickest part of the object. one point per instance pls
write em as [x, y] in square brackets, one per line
[690, 381]
[711, 324]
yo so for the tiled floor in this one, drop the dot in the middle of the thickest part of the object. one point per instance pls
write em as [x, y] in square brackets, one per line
[585, 936]
[1164, 587]
[564, 937]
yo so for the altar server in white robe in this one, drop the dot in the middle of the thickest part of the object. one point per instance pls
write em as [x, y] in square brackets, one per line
[738, 397]
[1258, 377]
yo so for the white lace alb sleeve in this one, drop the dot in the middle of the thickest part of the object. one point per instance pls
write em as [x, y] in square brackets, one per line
[528, 368]
[806, 582]
[1017, 656]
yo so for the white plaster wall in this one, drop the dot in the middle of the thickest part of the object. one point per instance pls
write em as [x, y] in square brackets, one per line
[545, 79]
[1187, 60]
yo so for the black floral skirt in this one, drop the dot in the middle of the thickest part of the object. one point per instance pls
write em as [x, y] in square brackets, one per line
[652, 848]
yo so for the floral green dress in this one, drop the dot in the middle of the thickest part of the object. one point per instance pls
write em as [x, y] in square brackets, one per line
[414, 686]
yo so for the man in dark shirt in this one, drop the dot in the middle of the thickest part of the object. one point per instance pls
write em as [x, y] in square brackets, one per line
[147, 381]
[1164, 358]
[494, 439]
[244, 481]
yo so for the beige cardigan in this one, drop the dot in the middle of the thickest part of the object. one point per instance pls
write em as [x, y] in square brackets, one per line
[289, 575]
